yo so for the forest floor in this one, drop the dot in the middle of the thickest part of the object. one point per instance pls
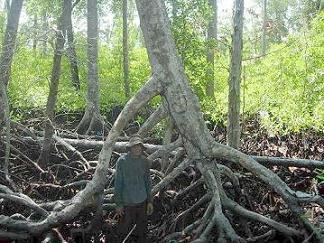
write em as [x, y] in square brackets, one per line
[168, 206]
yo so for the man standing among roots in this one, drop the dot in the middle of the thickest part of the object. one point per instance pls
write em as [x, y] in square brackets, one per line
[133, 191]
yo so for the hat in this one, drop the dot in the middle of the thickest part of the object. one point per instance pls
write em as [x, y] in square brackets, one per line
[134, 140]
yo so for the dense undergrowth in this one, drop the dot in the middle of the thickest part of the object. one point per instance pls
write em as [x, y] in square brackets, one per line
[284, 88]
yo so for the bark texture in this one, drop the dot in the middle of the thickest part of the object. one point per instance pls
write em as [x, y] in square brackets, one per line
[234, 82]
[211, 44]
[9, 42]
[92, 52]
[71, 49]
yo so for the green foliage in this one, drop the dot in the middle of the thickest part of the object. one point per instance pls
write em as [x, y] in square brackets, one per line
[189, 20]
[319, 175]
[111, 78]
[35, 7]
[285, 88]
[31, 75]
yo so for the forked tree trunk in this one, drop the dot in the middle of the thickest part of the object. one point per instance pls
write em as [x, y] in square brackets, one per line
[52, 96]
[183, 105]
[92, 120]
[234, 81]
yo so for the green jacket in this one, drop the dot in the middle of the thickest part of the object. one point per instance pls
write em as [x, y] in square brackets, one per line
[132, 180]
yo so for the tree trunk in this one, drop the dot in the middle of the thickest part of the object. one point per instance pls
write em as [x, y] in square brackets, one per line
[92, 121]
[35, 32]
[7, 52]
[7, 4]
[44, 32]
[175, 7]
[211, 42]
[167, 139]
[233, 122]
[264, 19]
[92, 52]
[55, 76]
[125, 49]
[182, 103]
[71, 50]
[10, 40]
[320, 5]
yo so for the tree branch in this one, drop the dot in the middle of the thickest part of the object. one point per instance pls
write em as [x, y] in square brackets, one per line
[305, 163]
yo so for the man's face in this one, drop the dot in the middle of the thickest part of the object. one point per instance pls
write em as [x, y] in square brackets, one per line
[136, 150]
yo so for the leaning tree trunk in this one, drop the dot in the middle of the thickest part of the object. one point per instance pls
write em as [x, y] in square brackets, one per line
[92, 120]
[52, 96]
[211, 42]
[168, 79]
[71, 50]
[7, 52]
[234, 82]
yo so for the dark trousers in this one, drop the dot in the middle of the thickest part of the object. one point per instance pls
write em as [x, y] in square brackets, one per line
[135, 214]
